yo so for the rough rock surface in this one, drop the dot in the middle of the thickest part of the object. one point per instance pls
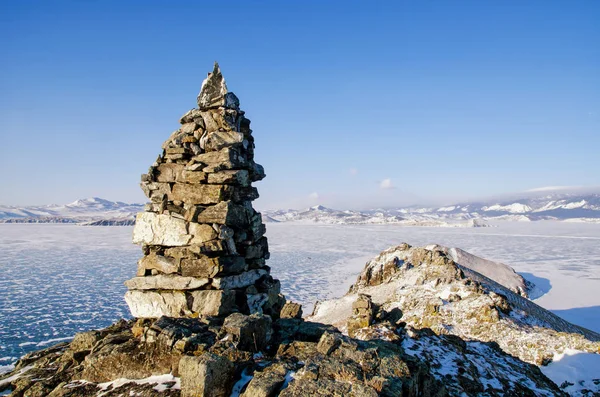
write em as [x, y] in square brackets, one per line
[253, 356]
[199, 232]
[428, 290]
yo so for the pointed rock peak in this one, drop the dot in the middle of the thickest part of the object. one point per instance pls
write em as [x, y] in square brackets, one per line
[214, 93]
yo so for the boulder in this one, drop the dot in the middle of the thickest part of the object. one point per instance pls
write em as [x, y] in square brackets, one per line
[250, 333]
[207, 375]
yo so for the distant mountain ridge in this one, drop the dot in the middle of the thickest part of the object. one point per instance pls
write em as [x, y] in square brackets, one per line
[564, 206]
[548, 206]
[80, 211]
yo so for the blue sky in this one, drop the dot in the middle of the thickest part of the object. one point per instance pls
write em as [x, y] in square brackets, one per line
[353, 104]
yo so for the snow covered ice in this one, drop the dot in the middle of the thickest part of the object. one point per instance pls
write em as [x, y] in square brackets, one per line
[62, 279]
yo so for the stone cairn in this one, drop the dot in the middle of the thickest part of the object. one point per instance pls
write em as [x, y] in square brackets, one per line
[204, 245]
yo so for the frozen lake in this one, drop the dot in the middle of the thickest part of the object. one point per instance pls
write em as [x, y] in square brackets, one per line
[61, 279]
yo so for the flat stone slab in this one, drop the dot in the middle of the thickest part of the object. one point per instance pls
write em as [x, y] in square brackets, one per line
[164, 282]
[154, 304]
[155, 229]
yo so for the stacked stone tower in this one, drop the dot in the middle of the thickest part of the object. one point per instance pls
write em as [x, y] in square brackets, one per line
[203, 243]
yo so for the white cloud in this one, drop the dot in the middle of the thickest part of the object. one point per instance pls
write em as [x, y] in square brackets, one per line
[386, 184]
[550, 188]
[353, 171]
[313, 196]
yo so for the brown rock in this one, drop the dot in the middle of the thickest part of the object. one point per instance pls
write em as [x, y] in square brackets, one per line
[212, 302]
[266, 383]
[226, 159]
[193, 177]
[225, 213]
[252, 333]
[208, 375]
[168, 172]
[291, 310]
[166, 282]
[201, 233]
[85, 340]
[199, 194]
[205, 266]
[158, 263]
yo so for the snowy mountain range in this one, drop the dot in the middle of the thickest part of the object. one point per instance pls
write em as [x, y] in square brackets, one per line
[549, 206]
[570, 207]
[89, 210]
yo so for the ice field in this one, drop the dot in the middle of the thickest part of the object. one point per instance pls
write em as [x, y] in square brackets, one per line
[61, 279]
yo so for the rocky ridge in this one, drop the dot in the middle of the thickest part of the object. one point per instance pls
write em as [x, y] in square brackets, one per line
[432, 291]
[252, 355]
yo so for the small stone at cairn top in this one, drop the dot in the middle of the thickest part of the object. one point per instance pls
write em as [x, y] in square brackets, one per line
[203, 243]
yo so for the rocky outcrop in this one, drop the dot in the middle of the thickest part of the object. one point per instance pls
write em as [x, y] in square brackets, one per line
[496, 271]
[204, 245]
[252, 355]
[429, 290]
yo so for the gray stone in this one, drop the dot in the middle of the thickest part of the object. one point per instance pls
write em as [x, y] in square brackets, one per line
[164, 282]
[154, 304]
[258, 250]
[329, 342]
[205, 266]
[190, 116]
[267, 382]
[245, 279]
[158, 263]
[251, 333]
[218, 140]
[168, 172]
[188, 128]
[214, 91]
[154, 229]
[256, 302]
[199, 194]
[85, 340]
[193, 177]
[225, 159]
[212, 302]
[230, 177]
[201, 233]
[225, 213]
[257, 172]
[207, 375]
[155, 189]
